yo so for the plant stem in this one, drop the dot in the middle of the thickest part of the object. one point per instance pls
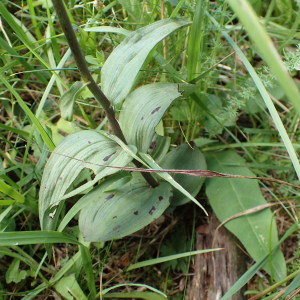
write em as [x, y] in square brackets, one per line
[87, 77]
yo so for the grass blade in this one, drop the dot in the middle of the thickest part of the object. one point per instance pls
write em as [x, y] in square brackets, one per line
[274, 114]
[159, 260]
[266, 49]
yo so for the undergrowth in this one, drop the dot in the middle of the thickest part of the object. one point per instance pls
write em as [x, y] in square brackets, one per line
[236, 104]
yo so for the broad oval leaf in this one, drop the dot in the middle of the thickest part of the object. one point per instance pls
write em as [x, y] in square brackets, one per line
[229, 196]
[123, 65]
[66, 102]
[142, 111]
[109, 184]
[113, 215]
[83, 149]
[189, 157]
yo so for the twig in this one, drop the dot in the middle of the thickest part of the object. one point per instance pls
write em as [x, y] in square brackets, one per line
[197, 173]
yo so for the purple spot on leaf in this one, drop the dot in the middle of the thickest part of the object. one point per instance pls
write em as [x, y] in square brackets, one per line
[152, 210]
[160, 198]
[136, 212]
[114, 217]
[109, 196]
[117, 227]
[142, 118]
[152, 145]
[170, 199]
[109, 156]
[155, 110]
[89, 142]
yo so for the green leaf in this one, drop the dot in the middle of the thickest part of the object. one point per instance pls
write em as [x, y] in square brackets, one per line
[150, 162]
[160, 260]
[108, 29]
[136, 295]
[274, 114]
[142, 111]
[123, 65]
[83, 149]
[136, 10]
[15, 130]
[29, 113]
[107, 185]
[292, 286]
[113, 215]
[23, 61]
[105, 291]
[266, 49]
[69, 288]
[11, 192]
[185, 157]
[67, 100]
[194, 40]
[245, 278]
[231, 196]
[160, 146]
[13, 274]
[214, 104]
[16, 28]
[35, 237]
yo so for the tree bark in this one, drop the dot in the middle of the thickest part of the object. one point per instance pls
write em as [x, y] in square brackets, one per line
[217, 271]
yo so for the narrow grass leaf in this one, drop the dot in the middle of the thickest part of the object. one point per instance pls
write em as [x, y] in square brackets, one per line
[266, 48]
[160, 260]
[176, 10]
[12, 23]
[136, 295]
[31, 116]
[105, 291]
[123, 65]
[11, 192]
[88, 267]
[21, 60]
[14, 130]
[194, 39]
[35, 237]
[295, 284]
[274, 114]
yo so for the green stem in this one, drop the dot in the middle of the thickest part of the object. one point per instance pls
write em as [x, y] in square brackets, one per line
[87, 77]
[276, 285]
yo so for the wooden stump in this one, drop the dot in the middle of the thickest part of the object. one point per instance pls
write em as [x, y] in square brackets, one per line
[216, 272]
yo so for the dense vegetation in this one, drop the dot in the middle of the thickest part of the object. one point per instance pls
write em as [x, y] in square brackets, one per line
[93, 92]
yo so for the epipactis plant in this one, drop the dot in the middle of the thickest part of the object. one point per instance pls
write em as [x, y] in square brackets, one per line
[130, 203]
[124, 201]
